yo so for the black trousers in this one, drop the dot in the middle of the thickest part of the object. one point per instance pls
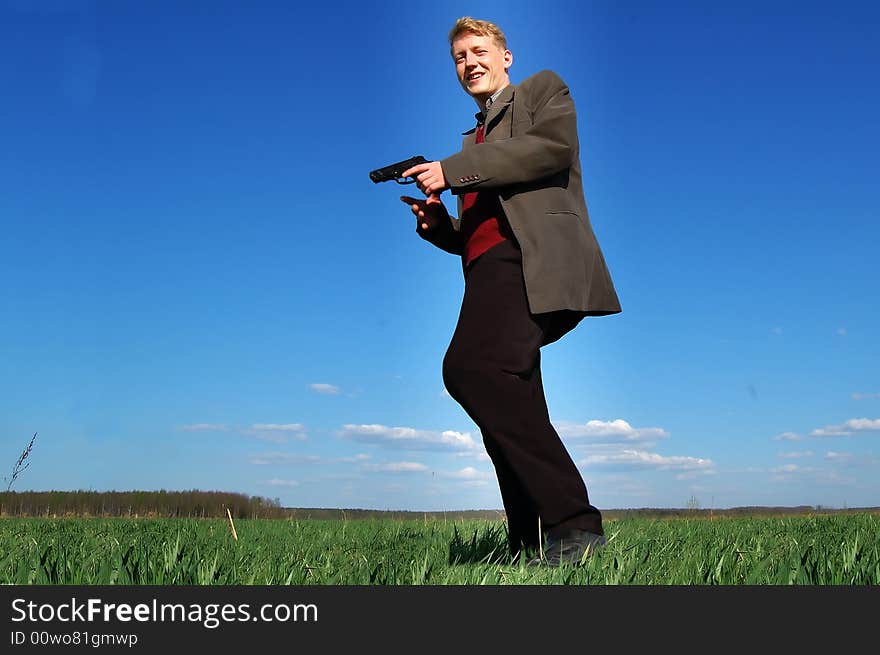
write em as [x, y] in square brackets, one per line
[493, 369]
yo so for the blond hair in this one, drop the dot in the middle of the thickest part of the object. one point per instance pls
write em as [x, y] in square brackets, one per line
[468, 25]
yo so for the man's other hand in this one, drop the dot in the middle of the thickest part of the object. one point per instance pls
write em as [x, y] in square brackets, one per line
[430, 212]
[429, 177]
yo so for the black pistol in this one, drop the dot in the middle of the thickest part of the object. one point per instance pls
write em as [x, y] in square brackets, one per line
[394, 171]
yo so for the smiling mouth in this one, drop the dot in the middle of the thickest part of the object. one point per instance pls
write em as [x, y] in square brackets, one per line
[473, 77]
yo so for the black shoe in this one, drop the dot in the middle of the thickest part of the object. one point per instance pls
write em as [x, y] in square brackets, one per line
[571, 548]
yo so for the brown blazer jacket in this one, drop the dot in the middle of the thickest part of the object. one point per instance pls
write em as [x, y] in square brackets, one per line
[530, 158]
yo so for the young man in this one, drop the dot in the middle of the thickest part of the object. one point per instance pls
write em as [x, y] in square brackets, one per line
[533, 269]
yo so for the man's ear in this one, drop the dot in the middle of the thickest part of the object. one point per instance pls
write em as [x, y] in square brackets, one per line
[508, 60]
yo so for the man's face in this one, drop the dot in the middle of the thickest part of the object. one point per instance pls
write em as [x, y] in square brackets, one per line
[481, 65]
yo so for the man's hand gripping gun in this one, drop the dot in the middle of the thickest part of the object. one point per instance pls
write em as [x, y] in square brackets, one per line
[394, 171]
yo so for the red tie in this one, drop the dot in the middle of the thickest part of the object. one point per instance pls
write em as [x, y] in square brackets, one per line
[471, 197]
[482, 220]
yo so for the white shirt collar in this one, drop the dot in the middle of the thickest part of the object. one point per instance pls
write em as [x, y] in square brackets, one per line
[481, 116]
[493, 97]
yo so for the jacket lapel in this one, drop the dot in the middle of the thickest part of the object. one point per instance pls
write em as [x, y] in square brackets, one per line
[497, 114]
[499, 109]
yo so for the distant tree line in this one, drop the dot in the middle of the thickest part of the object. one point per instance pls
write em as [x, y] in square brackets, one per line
[160, 504]
[213, 504]
[610, 514]
[732, 512]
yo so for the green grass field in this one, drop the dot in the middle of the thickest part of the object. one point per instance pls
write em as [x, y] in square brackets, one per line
[814, 550]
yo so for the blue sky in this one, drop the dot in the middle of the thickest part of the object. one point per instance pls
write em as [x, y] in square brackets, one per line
[203, 288]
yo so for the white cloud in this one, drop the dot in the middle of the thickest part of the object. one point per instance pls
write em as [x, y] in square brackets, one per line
[396, 467]
[640, 459]
[360, 457]
[204, 427]
[847, 428]
[277, 432]
[467, 473]
[865, 396]
[838, 457]
[320, 387]
[788, 436]
[787, 468]
[280, 427]
[796, 454]
[475, 484]
[787, 471]
[275, 482]
[409, 438]
[283, 459]
[691, 475]
[617, 431]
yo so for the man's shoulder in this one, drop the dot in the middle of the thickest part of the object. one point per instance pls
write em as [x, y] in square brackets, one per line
[542, 82]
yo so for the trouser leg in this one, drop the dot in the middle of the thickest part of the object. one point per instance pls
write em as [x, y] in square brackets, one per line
[522, 519]
[492, 368]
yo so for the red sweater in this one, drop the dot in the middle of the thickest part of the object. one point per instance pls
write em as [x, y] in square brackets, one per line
[483, 224]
